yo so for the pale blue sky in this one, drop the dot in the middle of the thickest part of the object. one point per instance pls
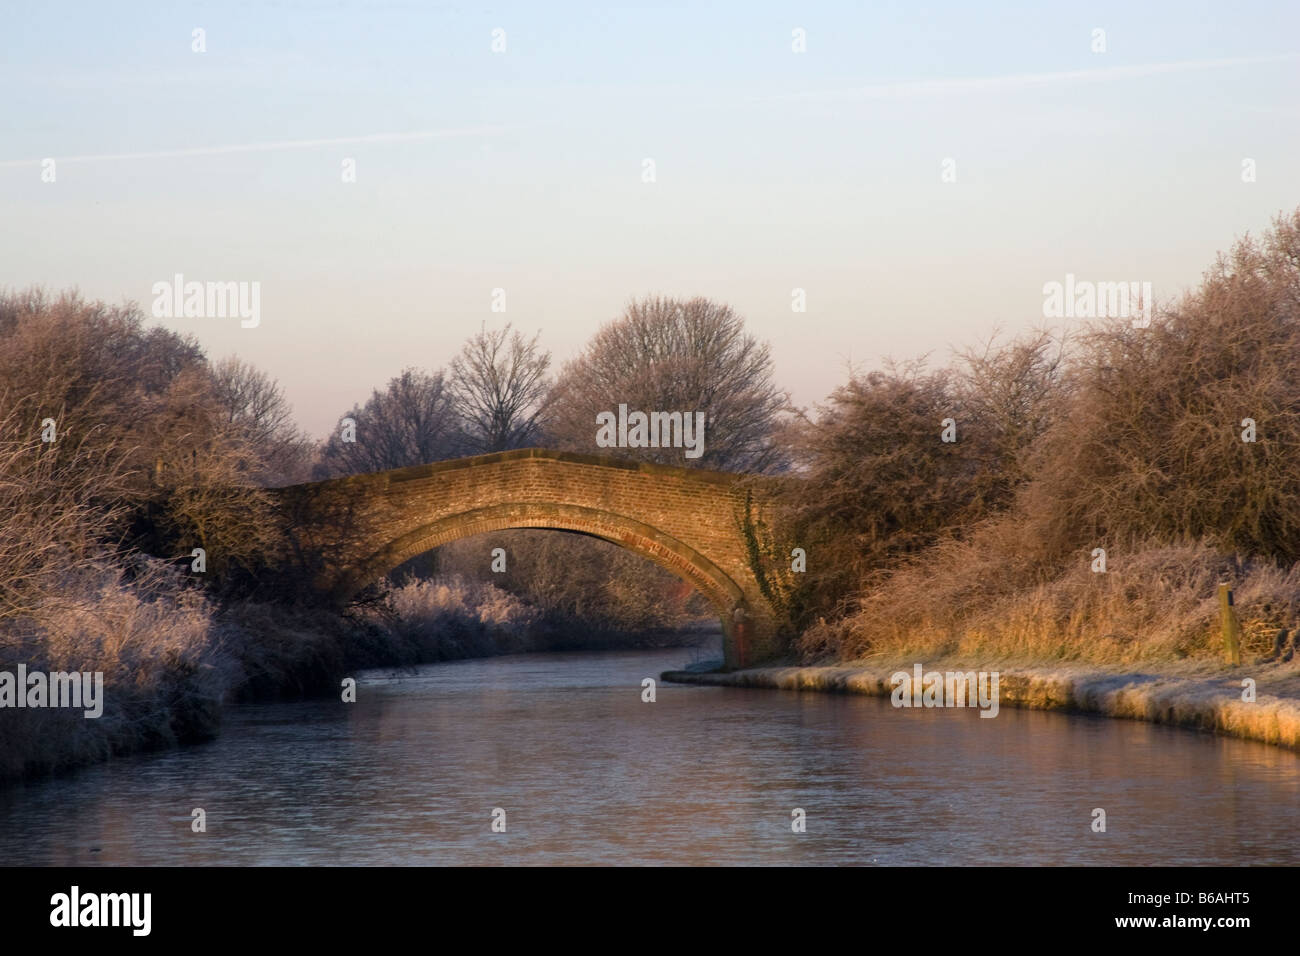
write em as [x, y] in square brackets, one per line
[775, 170]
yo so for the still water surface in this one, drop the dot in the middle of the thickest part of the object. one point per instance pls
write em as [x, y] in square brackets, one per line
[588, 773]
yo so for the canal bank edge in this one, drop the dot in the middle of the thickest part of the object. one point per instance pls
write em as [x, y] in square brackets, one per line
[1208, 705]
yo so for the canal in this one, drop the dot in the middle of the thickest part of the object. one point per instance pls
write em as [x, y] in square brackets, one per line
[586, 772]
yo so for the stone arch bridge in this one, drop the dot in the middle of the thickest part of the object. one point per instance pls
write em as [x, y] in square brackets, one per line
[351, 531]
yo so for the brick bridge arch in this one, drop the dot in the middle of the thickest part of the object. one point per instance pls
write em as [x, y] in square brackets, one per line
[686, 520]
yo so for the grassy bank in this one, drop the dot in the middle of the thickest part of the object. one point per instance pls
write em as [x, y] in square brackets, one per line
[1179, 695]
[1140, 640]
[1151, 606]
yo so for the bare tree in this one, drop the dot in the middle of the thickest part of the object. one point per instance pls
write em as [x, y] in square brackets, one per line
[1007, 396]
[500, 385]
[412, 422]
[255, 404]
[206, 492]
[673, 355]
[142, 449]
[54, 516]
[252, 399]
[1183, 430]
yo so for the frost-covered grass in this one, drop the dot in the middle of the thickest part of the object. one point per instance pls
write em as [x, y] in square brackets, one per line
[165, 672]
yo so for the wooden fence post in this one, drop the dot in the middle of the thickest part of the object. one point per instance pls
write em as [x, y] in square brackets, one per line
[1231, 628]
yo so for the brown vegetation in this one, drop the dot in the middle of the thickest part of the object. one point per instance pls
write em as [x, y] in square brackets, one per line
[675, 355]
[122, 449]
[1136, 448]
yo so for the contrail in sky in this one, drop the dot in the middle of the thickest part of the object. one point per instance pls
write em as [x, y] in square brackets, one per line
[961, 85]
[877, 91]
[272, 147]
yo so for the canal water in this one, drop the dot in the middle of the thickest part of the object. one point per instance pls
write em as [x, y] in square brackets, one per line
[586, 772]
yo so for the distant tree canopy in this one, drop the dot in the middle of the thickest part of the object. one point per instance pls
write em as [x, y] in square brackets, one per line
[256, 404]
[500, 388]
[674, 355]
[663, 355]
[413, 421]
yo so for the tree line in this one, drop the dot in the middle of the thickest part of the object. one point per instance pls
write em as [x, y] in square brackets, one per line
[497, 394]
[1004, 468]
